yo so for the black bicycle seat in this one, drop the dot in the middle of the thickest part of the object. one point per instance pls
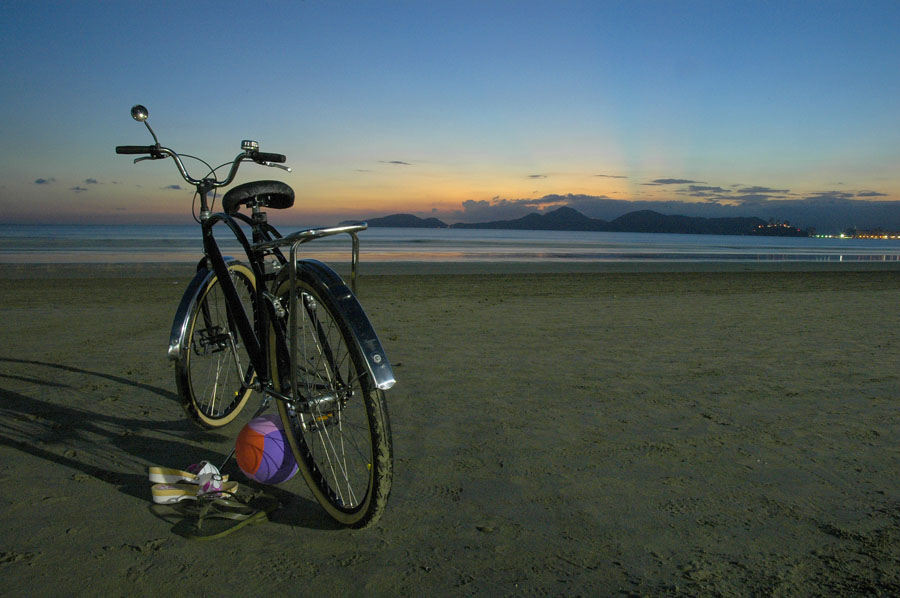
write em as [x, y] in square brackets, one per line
[270, 194]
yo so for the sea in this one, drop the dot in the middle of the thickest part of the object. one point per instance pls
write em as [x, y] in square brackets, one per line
[47, 244]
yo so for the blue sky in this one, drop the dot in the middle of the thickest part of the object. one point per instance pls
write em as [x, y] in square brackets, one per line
[461, 110]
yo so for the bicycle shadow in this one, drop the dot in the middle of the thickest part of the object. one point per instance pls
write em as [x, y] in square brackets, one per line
[73, 426]
[166, 394]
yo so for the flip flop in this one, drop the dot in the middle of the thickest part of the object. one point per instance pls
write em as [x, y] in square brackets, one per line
[220, 517]
[210, 517]
[165, 494]
[167, 475]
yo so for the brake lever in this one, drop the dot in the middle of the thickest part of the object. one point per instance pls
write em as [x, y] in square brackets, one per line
[136, 160]
[274, 165]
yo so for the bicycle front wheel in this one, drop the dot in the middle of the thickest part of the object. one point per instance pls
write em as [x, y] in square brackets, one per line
[339, 428]
[213, 372]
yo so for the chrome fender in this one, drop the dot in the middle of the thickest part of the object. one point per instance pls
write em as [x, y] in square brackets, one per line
[328, 282]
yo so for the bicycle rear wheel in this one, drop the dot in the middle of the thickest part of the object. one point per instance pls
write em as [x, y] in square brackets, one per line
[339, 430]
[213, 372]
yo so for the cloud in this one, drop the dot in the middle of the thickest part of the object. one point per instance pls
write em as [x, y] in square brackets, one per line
[397, 162]
[590, 204]
[871, 194]
[174, 187]
[707, 192]
[506, 209]
[766, 190]
[829, 197]
[91, 181]
[537, 176]
[756, 195]
[77, 189]
[671, 182]
[611, 176]
[570, 199]
[706, 189]
[46, 181]
[737, 195]
[485, 211]
[750, 199]
[502, 209]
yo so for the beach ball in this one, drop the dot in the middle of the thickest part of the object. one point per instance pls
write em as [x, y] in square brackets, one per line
[263, 452]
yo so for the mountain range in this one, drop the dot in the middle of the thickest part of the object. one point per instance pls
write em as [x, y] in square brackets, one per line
[565, 218]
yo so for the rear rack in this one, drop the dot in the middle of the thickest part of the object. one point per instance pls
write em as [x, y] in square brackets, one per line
[295, 240]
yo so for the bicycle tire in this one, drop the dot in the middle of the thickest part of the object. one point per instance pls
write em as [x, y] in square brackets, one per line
[341, 438]
[213, 372]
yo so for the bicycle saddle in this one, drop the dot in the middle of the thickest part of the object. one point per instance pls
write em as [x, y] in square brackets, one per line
[270, 194]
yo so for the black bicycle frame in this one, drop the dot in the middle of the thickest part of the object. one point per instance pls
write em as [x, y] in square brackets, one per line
[253, 335]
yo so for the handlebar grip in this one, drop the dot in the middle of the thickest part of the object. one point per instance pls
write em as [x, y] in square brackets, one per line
[267, 157]
[135, 149]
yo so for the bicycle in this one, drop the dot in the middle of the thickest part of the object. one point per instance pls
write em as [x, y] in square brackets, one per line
[288, 328]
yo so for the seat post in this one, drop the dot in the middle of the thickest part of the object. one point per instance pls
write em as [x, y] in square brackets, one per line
[258, 218]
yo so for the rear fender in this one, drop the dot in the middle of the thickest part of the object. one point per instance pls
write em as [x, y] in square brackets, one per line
[328, 282]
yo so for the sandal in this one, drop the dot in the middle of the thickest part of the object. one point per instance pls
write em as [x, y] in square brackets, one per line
[167, 475]
[172, 493]
[221, 516]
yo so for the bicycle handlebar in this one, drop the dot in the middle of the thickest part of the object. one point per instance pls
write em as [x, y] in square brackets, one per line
[267, 157]
[156, 152]
[135, 149]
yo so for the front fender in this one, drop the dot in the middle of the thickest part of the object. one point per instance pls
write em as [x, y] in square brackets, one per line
[186, 307]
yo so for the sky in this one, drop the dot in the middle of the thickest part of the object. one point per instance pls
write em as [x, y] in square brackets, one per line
[465, 111]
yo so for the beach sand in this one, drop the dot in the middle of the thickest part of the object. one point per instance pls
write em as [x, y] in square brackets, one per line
[697, 433]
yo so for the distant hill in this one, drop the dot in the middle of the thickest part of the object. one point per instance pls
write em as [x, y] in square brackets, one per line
[566, 218]
[648, 221]
[642, 221]
[563, 218]
[405, 221]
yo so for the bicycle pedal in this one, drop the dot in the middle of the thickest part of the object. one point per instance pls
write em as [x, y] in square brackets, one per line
[324, 418]
[320, 422]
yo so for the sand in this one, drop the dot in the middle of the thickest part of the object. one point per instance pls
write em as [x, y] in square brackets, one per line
[660, 433]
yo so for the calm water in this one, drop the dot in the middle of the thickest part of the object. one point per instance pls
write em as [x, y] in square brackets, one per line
[112, 244]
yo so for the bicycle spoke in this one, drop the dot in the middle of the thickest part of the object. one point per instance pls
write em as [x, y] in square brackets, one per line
[342, 445]
[215, 379]
[326, 369]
